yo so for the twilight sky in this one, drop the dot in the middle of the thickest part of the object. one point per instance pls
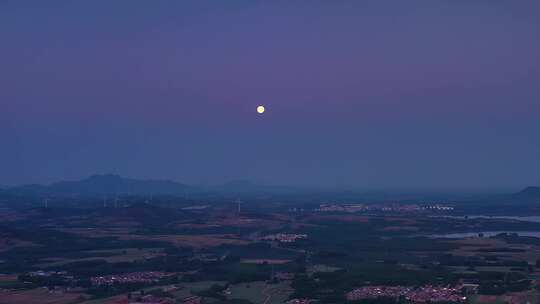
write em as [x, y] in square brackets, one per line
[368, 94]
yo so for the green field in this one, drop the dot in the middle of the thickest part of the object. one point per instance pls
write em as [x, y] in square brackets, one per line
[111, 256]
[260, 292]
[321, 268]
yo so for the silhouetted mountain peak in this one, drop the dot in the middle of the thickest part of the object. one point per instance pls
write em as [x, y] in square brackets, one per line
[530, 192]
[106, 184]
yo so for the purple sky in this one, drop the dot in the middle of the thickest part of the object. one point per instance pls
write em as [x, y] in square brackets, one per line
[364, 94]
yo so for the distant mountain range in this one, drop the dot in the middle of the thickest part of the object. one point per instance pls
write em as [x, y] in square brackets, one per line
[529, 193]
[529, 196]
[111, 184]
[106, 184]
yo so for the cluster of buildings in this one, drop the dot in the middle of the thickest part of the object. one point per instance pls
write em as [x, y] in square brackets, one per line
[41, 273]
[352, 208]
[438, 207]
[436, 294]
[284, 237]
[294, 209]
[373, 292]
[423, 294]
[133, 277]
[300, 301]
[413, 208]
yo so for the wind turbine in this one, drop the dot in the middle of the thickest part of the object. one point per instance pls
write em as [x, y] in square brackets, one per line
[239, 203]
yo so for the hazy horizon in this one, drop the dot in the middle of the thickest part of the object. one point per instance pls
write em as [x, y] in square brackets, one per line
[358, 94]
[309, 188]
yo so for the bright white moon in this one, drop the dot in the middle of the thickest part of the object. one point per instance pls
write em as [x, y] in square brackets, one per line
[260, 109]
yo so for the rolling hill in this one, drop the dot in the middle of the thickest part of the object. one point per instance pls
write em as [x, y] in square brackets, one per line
[105, 184]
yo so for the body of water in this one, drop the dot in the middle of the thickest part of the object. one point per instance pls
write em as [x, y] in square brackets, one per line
[535, 218]
[485, 234]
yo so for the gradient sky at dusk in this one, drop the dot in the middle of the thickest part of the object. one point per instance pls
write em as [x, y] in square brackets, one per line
[366, 94]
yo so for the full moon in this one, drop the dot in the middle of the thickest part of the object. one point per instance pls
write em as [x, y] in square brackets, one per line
[260, 109]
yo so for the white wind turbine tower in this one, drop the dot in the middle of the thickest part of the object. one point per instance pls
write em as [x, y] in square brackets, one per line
[239, 203]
